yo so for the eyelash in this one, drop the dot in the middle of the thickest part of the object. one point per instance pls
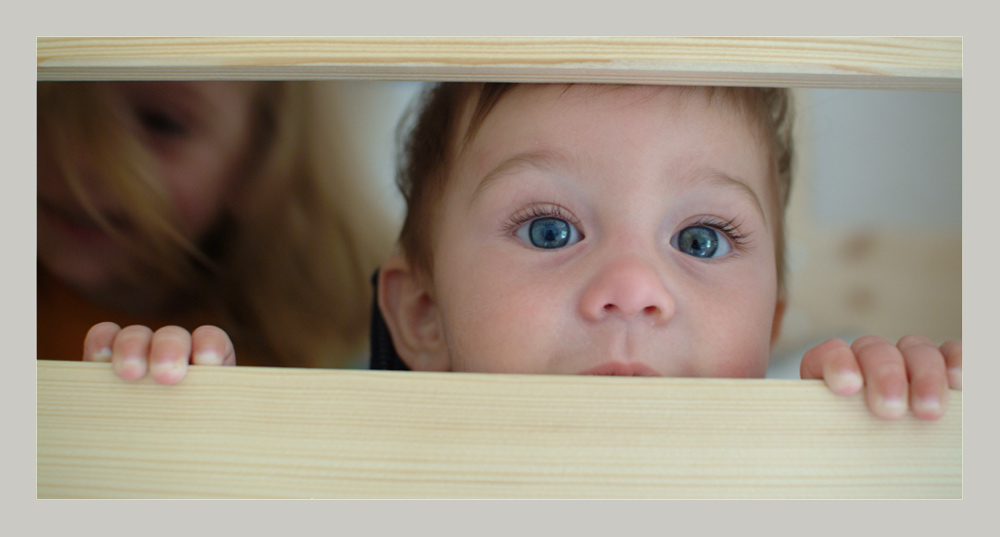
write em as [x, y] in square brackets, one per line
[539, 211]
[729, 228]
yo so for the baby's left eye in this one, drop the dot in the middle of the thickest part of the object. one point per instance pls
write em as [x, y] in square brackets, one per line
[701, 241]
[548, 233]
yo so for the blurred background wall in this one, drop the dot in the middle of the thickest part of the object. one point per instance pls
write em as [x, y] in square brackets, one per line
[875, 219]
[874, 223]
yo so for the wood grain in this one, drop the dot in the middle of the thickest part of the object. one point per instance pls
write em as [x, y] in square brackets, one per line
[927, 63]
[250, 432]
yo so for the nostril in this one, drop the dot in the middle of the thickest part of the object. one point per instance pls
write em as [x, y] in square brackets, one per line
[648, 310]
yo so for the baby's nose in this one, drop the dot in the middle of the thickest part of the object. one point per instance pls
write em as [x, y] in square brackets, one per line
[627, 288]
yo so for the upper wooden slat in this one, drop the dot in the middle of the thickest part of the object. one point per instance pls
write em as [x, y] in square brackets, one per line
[929, 63]
[249, 432]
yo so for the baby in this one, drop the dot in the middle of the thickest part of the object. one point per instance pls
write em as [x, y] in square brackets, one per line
[606, 230]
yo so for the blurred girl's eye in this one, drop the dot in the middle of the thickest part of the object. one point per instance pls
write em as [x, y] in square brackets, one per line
[161, 123]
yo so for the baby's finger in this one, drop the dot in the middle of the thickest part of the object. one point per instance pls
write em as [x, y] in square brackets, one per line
[928, 378]
[169, 354]
[212, 346]
[885, 376]
[130, 352]
[97, 343]
[952, 352]
[835, 363]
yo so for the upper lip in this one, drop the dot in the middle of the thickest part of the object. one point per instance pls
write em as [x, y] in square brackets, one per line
[625, 369]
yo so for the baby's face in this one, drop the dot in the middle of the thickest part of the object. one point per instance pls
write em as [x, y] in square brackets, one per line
[608, 231]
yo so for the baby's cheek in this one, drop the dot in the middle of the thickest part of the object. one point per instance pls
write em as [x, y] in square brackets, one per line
[740, 358]
[743, 367]
[743, 349]
[474, 343]
[496, 340]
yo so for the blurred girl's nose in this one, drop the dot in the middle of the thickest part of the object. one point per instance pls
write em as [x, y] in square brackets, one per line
[627, 288]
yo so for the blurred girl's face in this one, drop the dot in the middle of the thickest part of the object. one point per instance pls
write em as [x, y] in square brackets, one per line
[197, 135]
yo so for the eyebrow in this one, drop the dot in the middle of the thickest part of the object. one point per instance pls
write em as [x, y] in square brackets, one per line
[543, 160]
[546, 160]
[724, 179]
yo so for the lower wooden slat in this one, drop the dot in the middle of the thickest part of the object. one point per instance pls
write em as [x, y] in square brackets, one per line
[250, 432]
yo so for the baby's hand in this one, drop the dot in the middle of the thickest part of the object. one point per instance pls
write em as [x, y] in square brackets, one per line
[913, 372]
[165, 354]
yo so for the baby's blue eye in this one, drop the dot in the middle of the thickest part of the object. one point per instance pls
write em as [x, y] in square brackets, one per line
[549, 233]
[701, 241]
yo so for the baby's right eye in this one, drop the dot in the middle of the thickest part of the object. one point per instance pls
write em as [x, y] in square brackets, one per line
[548, 233]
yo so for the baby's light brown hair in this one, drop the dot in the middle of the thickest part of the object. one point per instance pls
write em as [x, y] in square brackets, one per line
[433, 140]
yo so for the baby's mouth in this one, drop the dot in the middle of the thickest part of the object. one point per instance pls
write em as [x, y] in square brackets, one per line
[623, 369]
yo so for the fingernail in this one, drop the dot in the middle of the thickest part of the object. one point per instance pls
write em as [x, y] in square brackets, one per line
[893, 406]
[163, 366]
[167, 371]
[955, 378]
[207, 358]
[130, 367]
[845, 382]
[103, 355]
[927, 405]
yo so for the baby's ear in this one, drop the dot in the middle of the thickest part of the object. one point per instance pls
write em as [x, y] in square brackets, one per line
[411, 314]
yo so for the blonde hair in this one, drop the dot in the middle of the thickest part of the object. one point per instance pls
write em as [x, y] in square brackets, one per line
[289, 263]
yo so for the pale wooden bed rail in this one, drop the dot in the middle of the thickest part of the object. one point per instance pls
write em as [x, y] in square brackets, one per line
[251, 432]
[929, 63]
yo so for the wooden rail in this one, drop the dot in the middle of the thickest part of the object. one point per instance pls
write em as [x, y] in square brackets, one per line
[929, 63]
[249, 432]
